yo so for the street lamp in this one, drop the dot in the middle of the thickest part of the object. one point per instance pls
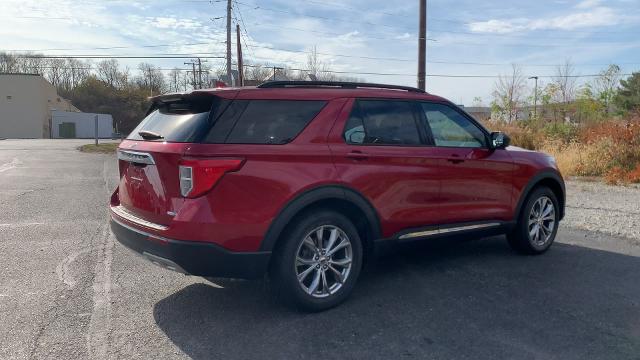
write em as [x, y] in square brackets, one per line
[535, 98]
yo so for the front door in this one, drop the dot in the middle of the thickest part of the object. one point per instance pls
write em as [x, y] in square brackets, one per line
[476, 180]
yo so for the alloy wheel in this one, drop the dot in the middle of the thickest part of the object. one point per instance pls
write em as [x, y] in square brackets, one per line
[323, 261]
[542, 221]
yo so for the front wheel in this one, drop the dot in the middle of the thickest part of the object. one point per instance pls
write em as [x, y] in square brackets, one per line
[318, 262]
[538, 223]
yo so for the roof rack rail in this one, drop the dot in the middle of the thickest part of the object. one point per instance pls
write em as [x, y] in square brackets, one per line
[339, 84]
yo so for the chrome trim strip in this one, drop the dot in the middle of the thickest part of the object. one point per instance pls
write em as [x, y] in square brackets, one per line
[419, 234]
[141, 232]
[447, 230]
[122, 212]
[136, 157]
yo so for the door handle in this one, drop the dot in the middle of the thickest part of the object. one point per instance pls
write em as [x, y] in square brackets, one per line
[357, 155]
[455, 159]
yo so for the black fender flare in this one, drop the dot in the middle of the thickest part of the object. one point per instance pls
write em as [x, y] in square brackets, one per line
[325, 192]
[535, 181]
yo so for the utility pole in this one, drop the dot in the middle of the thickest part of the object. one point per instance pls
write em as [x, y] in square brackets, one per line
[193, 66]
[535, 98]
[229, 43]
[199, 74]
[422, 46]
[240, 65]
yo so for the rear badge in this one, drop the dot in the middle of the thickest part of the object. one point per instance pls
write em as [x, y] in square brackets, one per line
[171, 213]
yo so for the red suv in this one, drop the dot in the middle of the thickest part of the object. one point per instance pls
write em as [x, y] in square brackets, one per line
[305, 181]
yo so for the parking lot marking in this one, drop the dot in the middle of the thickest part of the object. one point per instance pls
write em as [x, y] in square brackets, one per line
[63, 268]
[21, 224]
[10, 165]
[100, 322]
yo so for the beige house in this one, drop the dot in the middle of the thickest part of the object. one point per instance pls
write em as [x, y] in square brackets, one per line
[26, 103]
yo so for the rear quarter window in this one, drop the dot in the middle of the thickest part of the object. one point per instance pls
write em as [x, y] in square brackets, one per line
[265, 121]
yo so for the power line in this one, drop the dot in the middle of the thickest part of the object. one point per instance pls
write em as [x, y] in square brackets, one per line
[114, 57]
[111, 47]
[337, 55]
[432, 75]
[208, 56]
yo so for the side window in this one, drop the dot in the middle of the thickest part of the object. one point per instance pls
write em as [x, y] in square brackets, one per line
[272, 121]
[383, 122]
[452, 129]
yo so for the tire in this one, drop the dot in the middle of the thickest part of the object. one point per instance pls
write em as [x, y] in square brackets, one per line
[298, 255]
[534, 232]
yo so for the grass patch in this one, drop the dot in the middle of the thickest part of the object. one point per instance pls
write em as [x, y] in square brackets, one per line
[107, 148]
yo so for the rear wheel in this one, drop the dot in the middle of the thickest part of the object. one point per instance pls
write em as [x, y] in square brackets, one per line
[538, 223]
[318, 261]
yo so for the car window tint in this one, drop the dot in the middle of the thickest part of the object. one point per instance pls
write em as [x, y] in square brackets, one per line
[354, 130]
[273, 121]
[177, 121]
[452, 129]
[383, 122]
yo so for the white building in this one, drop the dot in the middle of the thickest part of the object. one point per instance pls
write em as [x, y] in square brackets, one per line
[80, 125]
[26, 102]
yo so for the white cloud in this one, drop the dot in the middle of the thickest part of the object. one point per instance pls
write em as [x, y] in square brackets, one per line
[173, 23]
[587, 4]
[598, 16]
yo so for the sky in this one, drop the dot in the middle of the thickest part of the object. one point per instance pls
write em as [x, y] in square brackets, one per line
[357, 37]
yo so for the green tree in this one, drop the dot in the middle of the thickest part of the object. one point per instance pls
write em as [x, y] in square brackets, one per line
[628, 98]
[588, 107]
[127, 106]
[606, 86]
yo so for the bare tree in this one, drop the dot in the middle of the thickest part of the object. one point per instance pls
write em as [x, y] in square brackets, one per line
[33, 64]
[56, 71]
[109, 72]
[151, 78]
[565, 79]
[8, 63]
[174, 79]
[508, 93]
[258, 72]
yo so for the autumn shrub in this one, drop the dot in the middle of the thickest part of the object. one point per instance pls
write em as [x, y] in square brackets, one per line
[610, 148]
[564, 132]
[521, 135]
[579, 159]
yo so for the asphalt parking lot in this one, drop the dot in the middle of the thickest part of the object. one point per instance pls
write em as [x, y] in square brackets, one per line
[69, 290]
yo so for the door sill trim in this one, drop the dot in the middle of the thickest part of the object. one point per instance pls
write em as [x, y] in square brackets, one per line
[440, 231]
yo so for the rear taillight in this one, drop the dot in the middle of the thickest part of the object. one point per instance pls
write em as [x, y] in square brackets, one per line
[197, 177]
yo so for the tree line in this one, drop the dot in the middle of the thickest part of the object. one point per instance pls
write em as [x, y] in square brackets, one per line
[108, 87]
[563, 98]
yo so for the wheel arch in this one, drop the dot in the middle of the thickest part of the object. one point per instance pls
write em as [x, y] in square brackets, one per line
[551, 179]
[344, 200]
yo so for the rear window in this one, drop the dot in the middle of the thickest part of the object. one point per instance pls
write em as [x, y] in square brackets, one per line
[263, 121]
[176, 121]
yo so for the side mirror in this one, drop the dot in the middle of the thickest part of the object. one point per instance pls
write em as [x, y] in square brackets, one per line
[499, 140]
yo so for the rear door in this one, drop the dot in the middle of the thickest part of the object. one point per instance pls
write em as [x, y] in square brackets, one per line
[149, 158]
[476, 181]
[380, 150]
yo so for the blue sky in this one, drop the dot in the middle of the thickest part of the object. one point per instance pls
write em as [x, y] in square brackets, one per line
[467, 37]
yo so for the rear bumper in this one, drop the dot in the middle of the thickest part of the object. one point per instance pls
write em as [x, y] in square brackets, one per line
[189, 257]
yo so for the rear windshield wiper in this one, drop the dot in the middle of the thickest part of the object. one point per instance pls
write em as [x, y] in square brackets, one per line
[150, 135]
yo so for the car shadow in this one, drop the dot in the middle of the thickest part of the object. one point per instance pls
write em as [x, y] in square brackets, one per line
[459, 299]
